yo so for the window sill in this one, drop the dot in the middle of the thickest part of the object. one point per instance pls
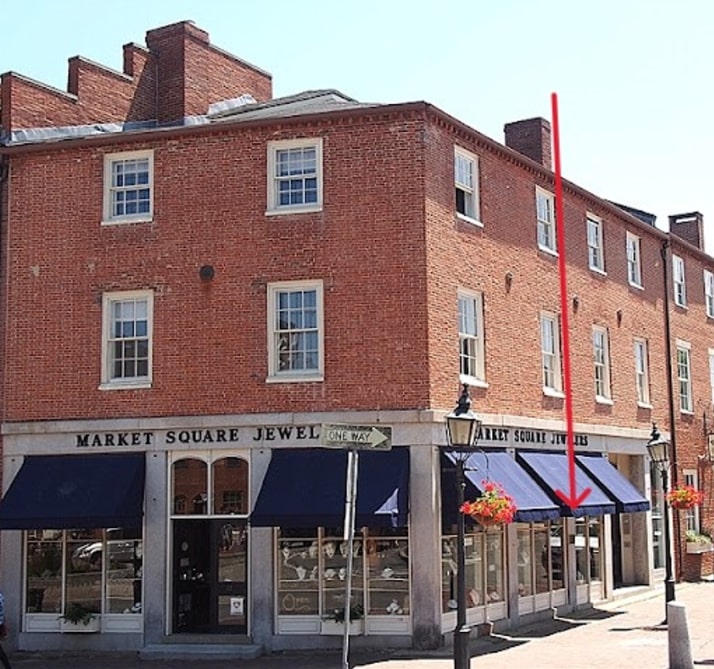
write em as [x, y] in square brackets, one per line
[604, 400]
[318, 378]
[681, 306]
[686, 412]
[552, 392]
[638, 286]
[644, 405]
[549, 251]
[129, 385]
[128, 220]
[283, 211]
[469, 219]
[599, 271]
[473, 381]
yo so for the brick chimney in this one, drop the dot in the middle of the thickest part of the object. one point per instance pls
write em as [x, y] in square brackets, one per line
[530, 137]
[192, 73]
[689, 227]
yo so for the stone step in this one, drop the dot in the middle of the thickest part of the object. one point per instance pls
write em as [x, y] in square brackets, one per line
[203, 651]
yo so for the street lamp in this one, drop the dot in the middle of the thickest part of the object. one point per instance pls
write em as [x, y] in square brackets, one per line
[658, 448]
[462, 428]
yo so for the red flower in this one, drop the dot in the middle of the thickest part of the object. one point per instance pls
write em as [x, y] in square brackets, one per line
[494, 506]
[684, 497]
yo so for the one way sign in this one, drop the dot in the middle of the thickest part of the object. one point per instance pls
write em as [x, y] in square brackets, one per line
[363, 437]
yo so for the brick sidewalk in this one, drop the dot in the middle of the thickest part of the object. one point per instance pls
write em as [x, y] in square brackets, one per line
[620, 634]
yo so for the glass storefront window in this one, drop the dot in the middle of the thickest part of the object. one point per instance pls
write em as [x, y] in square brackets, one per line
[525, 555]
[312, 572]
[541, 562]
[656, 500]
[594, 543]
[230, 486]
[99, 569]
[485, 578]
[588, 556]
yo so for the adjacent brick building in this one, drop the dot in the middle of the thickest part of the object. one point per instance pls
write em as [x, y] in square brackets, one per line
[205, 275]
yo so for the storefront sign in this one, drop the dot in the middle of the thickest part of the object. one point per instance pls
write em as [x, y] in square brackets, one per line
[528, 437]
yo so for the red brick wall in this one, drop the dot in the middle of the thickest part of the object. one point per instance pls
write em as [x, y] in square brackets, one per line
[210, 355]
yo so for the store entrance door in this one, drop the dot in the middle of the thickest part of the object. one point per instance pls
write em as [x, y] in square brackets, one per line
[210, 576]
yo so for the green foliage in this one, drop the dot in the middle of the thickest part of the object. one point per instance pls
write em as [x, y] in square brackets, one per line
[78, 614]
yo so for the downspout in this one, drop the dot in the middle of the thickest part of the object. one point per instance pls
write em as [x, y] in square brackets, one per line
[670, 394]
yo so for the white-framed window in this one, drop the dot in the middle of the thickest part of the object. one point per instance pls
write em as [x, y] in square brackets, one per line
[679, 281]
[601, 361]
[294, 176]
[642, 374]
[596, 250]
[691, 516]
[634, 260]
[128, 187]
[684, 377]
[471, 338]
[295, 331]
[550, 351]
[127, 339]
[466, 182]
[545, 213]
[709, 292]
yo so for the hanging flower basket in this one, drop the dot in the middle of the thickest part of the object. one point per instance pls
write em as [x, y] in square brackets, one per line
[684, 497]
[493, 507]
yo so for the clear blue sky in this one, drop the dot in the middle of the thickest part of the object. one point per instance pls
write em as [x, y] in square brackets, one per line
[633, 77]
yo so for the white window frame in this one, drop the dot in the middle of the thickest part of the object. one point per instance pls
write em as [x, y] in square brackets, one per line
[108, 380]
[545, 217]
[642, 372]
[601, 363]
[684, 377]
[276, 375]
[692, 522]
[467, 184]
[551, 371]
[596, 249]
[274, 148]
[679, 281]
[109, 217]
[709, 292]
[471, 338]
[634, 260]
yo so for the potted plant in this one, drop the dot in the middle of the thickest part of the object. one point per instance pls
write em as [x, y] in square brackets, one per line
[684, 497]
[698, 542]
[79, 618]
[493, 507]
[335, 621]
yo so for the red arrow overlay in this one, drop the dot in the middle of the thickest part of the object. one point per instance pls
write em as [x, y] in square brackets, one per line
[571, 498]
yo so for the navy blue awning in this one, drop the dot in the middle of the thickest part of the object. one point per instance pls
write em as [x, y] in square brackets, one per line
[305, 487]
[75, 491]
[499, 467]
[628, 499]
[551, 470]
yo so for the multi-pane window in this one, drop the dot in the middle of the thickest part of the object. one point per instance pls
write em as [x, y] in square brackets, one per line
[128, 186]
[295, 175]
[680, 284]
[550, 350]
[596, 256]
[684, 377]
[642, 377]
[545, 212]
[127, 338]
[471, 344]
[601, 360]
[466, 184]
[634, 260]
[709, 292]
[295, 330]
[691, 515]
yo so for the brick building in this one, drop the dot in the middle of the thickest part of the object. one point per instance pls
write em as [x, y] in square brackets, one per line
[199, 277]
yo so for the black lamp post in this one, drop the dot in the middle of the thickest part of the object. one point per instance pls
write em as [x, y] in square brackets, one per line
[658, 448]
[462, 428]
